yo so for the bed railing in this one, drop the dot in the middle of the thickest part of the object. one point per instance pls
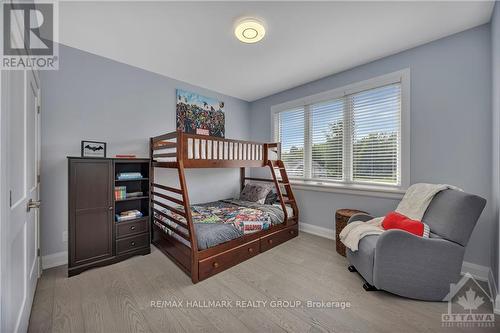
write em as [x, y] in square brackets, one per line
[200, 151]
[163, 199]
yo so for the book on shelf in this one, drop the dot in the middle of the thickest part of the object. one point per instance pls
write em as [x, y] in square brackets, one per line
[129, 175]
[128, 215]
[125, 156]
[134, 194]
[120, 192]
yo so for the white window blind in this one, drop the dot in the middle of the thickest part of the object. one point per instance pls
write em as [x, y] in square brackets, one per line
[353, 138]
[291, 130]
[376, 134]
[327, 138]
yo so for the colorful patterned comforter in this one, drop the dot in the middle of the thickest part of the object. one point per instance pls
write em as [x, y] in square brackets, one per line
[220, 221]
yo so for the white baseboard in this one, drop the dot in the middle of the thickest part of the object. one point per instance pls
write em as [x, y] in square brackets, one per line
[315, 230]
[55, 259]
[495, 292]
[479, 272]
[484, 273]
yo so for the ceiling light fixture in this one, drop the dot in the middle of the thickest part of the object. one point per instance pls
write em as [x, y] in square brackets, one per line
[249, 30]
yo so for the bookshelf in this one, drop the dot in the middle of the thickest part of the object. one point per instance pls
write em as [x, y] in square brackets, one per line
[139, 202]
[134, 233]
[96, 238]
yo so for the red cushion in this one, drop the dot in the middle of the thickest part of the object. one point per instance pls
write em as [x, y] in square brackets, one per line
[394, 220]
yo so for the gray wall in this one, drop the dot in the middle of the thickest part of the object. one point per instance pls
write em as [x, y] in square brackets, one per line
[450, 126]
[495, 57]
[94, 98]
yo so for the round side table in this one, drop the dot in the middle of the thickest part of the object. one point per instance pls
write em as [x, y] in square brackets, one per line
[341, 218]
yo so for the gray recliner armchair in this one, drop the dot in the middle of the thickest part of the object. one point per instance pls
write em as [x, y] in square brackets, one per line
[421, 268]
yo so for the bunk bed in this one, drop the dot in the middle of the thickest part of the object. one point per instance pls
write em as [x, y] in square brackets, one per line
[173, 220]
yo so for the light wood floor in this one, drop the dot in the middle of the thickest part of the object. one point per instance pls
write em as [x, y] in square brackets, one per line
[118, 298]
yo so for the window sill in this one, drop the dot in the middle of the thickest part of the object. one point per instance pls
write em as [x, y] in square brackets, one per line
[351, 189]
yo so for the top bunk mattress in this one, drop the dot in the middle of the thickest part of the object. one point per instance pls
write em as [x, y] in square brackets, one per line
[224, 220]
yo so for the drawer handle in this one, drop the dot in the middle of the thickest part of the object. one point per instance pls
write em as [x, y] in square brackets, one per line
[292, 232]
[215, 264]
[250, 250]
[132, 243]
[132, 227]
[270, 241]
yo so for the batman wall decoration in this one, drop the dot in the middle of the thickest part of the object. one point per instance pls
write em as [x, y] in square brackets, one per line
[93, 149]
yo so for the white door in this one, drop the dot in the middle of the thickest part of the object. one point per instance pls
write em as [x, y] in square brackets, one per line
[19, 228]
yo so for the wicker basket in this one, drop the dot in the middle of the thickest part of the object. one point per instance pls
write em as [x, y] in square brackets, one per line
[341, 218]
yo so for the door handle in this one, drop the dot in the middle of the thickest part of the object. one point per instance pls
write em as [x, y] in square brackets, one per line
[32, 204]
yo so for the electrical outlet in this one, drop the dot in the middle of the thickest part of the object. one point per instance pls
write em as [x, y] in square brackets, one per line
[65, 236]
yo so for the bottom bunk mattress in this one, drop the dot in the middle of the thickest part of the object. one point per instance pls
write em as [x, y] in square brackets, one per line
[224, 220]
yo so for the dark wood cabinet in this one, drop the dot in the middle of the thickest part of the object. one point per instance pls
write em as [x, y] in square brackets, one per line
[95, 237]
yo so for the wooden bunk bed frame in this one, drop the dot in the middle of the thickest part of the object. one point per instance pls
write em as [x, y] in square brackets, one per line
[183, 150]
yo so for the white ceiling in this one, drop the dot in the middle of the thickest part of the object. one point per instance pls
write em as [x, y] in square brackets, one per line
[194, 41]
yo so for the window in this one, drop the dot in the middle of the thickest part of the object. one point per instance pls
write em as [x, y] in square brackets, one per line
[327, 138]
[292, 132]
[355, 135]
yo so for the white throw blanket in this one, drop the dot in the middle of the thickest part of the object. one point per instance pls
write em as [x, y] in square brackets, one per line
[413, 205]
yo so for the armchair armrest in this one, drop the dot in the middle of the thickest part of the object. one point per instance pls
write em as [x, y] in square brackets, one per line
[416, 267]
[360, 217]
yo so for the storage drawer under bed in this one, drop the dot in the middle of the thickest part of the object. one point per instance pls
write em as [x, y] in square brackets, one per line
[279, 237]
[215, 264]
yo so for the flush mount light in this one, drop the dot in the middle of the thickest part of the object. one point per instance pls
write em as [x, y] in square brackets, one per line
[249, 30]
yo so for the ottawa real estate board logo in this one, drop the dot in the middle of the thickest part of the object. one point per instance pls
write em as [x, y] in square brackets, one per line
[29, 32]
[470, 304]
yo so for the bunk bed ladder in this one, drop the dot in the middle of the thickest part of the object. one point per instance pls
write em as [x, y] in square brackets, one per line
[290, 198]
[287, 197]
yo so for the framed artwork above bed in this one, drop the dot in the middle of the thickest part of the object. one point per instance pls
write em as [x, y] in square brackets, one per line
[198, 114]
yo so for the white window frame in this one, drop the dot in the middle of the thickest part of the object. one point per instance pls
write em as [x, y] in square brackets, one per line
[390, 191]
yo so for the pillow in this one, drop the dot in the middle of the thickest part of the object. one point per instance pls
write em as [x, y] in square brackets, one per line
[395, 220]
[255, 193]
[271, 197]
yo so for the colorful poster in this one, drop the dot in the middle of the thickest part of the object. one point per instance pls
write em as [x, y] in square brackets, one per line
[198, 114]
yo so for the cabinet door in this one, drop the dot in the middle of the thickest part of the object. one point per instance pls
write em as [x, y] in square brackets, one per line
[90, 210]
